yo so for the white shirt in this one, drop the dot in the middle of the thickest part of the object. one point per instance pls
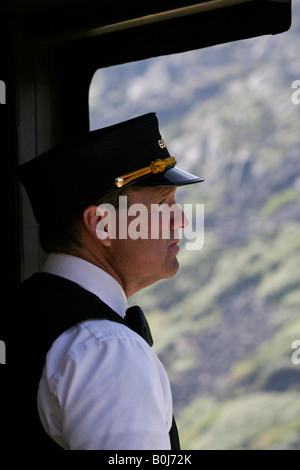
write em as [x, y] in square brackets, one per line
[103, 387]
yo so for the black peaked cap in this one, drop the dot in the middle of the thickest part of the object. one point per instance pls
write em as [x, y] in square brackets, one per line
[81, 170]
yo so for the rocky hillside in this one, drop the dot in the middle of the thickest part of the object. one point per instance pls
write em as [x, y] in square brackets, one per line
[224, 326]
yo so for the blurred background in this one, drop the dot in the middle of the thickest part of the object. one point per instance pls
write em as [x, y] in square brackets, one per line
[224, 325]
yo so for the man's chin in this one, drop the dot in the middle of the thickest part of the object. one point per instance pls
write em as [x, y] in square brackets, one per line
[173, 269]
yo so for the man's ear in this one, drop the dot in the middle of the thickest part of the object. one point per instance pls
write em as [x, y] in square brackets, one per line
[95, 222]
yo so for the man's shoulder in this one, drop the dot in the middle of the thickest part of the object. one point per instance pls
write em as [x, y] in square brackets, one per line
[105, 330]
[53, 304]
[62, 298]
[96, 342]
[40, 284]
[99, 333]
[44, 281]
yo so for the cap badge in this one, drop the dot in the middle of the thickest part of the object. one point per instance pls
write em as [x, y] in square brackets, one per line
[162, 144]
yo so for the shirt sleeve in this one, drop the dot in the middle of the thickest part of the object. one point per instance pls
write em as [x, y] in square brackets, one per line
[112, 395]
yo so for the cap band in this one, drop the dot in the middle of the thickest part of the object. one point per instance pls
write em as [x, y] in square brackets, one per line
[156, 166]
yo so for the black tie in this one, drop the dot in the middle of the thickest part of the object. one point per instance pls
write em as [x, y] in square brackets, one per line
[138, 323]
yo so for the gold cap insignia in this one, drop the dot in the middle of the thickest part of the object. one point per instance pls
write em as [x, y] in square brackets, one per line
[157, 166]
[162, 144]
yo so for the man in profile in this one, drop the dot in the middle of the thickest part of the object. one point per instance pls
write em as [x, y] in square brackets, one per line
[92, 380]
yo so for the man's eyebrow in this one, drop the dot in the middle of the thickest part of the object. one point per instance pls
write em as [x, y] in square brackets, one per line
[159, 195]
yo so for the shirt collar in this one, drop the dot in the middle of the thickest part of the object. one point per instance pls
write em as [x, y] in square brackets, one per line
[90, 277]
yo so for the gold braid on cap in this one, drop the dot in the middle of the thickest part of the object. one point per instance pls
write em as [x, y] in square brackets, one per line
[158, 166]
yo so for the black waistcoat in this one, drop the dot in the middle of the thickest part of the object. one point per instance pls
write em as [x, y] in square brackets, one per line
[43, 307]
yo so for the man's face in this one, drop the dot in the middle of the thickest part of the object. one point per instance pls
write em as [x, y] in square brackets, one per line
[149, 223]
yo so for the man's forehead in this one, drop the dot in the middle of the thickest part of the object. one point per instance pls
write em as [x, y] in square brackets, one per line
[164, 191]
[148, 195]
[157, 191]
